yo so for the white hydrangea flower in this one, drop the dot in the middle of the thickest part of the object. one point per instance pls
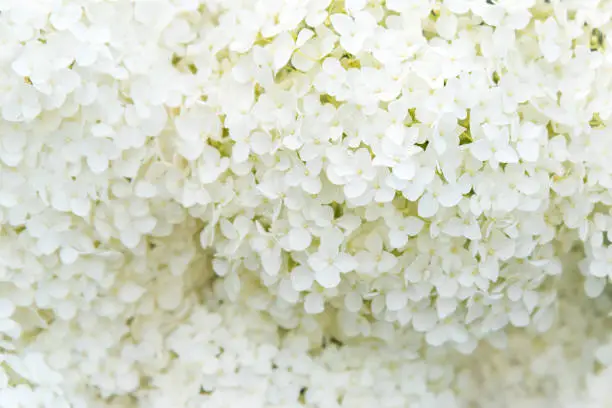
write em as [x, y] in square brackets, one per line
[305, 203]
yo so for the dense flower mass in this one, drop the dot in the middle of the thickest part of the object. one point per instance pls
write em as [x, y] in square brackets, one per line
[305, 203]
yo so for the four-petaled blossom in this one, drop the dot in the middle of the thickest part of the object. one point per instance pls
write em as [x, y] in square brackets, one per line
[329, 262]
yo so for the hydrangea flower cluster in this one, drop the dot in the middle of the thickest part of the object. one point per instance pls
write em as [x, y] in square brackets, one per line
[305, 203]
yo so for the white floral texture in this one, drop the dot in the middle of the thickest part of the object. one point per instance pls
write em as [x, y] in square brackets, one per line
[317, 203]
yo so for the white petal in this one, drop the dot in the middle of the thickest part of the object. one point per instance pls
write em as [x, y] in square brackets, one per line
[131, 292]
[594, 286]
[449, 196]
[287, 292]
[283, 46]
[355, 188]
[68, 255]
[428, 206]
[387, 262]
[299, 239]
[598, 269]
[48, 243]
[446, 306]
[455, 6]
[481, 150]
[130, 238]
[413, 225]
[187, 128]
[314, 303]
[302, 63]
[437, 336]
[424, 320]
[353, 302]
[446, 26]
[506, 155]
[240, 152]
[544, 318]
[318, 261]
[352, 44]
[374, 243]
[66, 310]
[271, 262]
[366, 263]
[345, 262]
[448, 288]
[529, 150]
[355, 5]
[550, 50]
[473, 232]
[6, 308]
[301, 278]
[261, 143]
[80, 206]
[530, 300]
[328, 278]
[396, 300]
[342, 23]
[304, 35]
[489, 269]
[145, 225]
[475, 311]
[220, 266]
[397, 238]
[454, 227]
[312, 185]
[97, 163]
[405, 170]
[519, 317]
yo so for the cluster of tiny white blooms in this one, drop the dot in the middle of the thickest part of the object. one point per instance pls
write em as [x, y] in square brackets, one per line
[560, 368]
[320, 203]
